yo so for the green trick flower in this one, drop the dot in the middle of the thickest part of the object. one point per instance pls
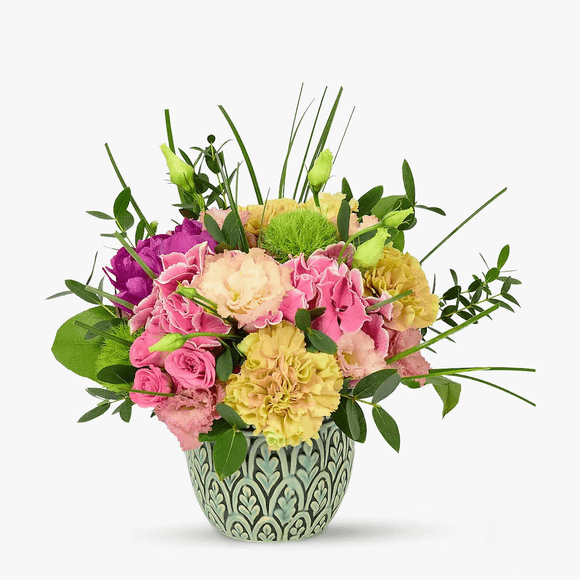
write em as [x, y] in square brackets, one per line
[369, 253]
[320, 171]
[180, 172]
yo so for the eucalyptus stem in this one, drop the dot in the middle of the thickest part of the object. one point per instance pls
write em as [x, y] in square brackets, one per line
[359, 400]
[445, 334]
[487, 299]
[135, 256]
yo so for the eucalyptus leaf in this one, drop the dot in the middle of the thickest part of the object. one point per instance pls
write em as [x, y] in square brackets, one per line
[122, 202]
[218, 427]
[117, 374]
[408, 182]
[100, 215]
[368, 386]
[303, 319]
[346, 190]
[503, 257]
[343, 220]
[321, 341]
[448, 390]
[99, 410]
[105, 394]
[78, 289]
[224, 365]
[125, 410]
[213, 228]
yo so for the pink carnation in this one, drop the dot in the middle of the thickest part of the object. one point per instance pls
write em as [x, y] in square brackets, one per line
[153, 380]
[412, 364]
[191, 367]
[190, 413]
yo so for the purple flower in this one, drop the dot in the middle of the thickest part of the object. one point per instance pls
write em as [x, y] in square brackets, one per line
[131, 282]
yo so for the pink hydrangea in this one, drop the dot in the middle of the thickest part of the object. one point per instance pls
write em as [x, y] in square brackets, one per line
[189, 413]
[322, 281]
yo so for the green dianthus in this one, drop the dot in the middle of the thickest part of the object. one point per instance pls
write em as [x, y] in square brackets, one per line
[296, 232]
[116, 353]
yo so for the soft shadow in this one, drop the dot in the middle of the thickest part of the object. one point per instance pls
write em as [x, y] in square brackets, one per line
[351, 532]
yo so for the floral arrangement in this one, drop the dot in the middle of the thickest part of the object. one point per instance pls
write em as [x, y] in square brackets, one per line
[274, 316]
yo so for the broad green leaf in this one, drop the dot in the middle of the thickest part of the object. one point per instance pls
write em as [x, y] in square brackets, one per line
[387, 427]
[389, 384]
[125, 220]
[100, 215]
[72, 350]
[408, 182]
[104, 325]
[117, 374]
[343, 220]
[229, 452]
[369, 200]
[230, 415]
[224, 365]
[321, 341]
[447, 390]
[218, 427]
[99, 410]
[356, 420]
[503, 257]
[303, 319]
[492, 275]
[79, 290]
[390, 203]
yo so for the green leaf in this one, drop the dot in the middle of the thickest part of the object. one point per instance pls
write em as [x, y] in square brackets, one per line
[125, 410]
[408, 182]
[105, 394]
[117, 374]
[218, 427]
[388, 385]
[229, 452]
[78, 289]
[104, 325]
[59, 295]
[224, 365]
[356, 421]
[447, 390]
[387, 427]
[503, 257]
[72, 350]
[100, 215]
[125, 220]
[368, 386]
[369, 200]
[346, 190]
[321, 341]
[492, 275]
[390, 203]
[343, 220]
[122, 202]
[316, 312]
[398, 240]
[212, 227]
[99, 410]
[303, 319]
[437, 210]
[230, 415]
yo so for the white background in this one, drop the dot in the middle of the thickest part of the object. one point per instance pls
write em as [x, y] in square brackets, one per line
[476, 96]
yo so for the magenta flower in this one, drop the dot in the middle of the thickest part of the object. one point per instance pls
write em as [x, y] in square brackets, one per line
[130, 281]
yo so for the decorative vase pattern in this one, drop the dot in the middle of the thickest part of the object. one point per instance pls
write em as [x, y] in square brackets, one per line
[276, 495]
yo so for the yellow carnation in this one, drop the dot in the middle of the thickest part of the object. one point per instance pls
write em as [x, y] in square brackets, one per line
[273, 208]
[396, 273]
[282, 389]
[330, 204]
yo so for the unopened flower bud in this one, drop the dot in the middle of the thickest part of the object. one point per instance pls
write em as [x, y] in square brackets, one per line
[369, 253]
[320, 171]
[180, 172]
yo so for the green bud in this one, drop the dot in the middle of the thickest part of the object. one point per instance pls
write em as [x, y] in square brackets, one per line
[395, 218]
[180, 172]
[169, 343]
[320, 171]
[368, 254]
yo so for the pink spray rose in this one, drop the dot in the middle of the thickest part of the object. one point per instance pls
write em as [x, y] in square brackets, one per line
[191, 367]
[154, 380]
[140, 355]
[190, 413]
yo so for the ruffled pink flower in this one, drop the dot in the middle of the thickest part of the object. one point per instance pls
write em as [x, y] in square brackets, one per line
[154, 380]
[189, 413]
[141, 356]
[191, 367]
[142, 312]
[179, 268]
[413, 364]
[220, 215]
[357, 355]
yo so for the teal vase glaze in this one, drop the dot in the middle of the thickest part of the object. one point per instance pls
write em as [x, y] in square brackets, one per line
[275, 496]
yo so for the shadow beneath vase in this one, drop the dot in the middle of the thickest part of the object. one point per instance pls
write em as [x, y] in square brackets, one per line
[347, 531]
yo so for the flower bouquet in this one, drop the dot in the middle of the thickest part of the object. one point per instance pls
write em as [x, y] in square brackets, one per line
[258, 333]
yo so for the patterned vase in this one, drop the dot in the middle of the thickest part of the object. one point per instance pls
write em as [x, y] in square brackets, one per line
[276, 495]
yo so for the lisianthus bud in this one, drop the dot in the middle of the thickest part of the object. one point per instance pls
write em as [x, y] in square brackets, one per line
[369, 253]
[320, 171]
[395, 218]
[180, 172]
